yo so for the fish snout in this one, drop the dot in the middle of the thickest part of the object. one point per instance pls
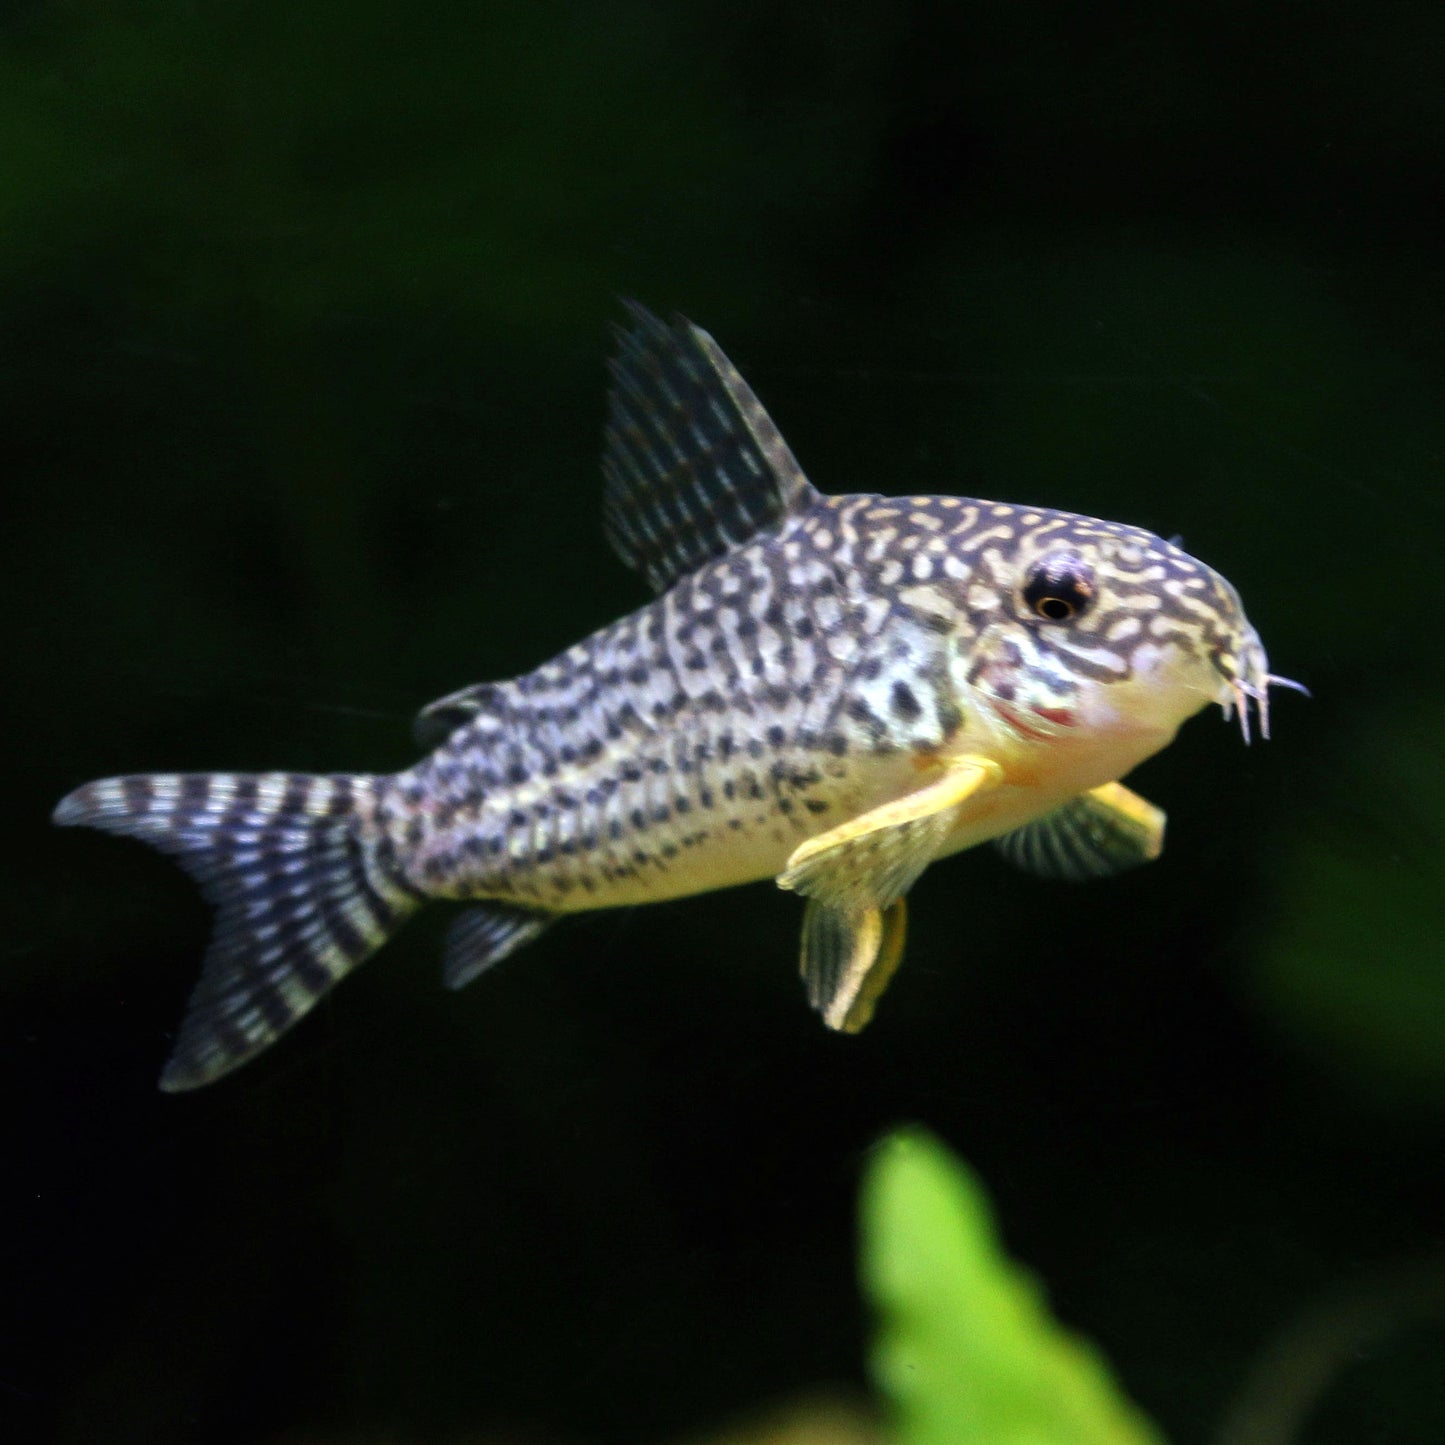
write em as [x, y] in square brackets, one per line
[1247, 681]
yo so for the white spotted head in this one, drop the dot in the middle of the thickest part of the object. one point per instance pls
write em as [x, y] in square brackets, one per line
[1068, 625]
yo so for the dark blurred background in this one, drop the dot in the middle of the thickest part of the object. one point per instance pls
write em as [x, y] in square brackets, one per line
[303, 314]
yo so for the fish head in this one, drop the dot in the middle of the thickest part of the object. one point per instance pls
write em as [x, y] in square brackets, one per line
[1084, 628]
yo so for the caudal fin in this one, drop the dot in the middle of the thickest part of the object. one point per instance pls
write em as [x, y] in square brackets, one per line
[303, 892]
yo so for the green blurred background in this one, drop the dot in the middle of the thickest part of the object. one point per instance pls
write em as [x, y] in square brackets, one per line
[303, 313]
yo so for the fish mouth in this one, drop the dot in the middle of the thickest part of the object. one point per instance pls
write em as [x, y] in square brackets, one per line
[1249, 687]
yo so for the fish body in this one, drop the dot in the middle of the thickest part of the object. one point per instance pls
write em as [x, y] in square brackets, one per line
[807, 677]
[832, 691]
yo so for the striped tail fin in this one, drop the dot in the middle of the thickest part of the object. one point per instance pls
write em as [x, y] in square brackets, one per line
[303, 889]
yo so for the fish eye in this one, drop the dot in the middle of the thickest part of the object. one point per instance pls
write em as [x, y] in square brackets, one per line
[1058, 587]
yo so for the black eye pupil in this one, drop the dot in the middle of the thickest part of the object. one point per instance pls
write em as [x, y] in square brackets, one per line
[1059, 587]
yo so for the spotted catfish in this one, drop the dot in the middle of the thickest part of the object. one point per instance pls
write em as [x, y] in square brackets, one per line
[830, 690]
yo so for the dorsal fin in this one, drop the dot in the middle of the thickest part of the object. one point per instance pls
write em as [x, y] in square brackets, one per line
[692, 463]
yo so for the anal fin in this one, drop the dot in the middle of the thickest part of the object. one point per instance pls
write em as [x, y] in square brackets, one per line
[485, 934]
[1107, 830]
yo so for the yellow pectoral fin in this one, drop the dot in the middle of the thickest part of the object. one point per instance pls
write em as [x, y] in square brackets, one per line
[849, 959]
[874, 858]
[1134, 815]
[1104, 831]
[855, 876]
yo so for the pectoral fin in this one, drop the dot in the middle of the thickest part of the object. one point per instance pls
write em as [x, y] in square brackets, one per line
[876, 857]
[854, 877]
[1104, 831]
[848, 960]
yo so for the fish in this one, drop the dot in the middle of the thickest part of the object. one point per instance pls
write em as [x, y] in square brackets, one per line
[832, 691]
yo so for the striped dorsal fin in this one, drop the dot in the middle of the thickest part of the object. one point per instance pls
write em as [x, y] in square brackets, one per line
[693, 465]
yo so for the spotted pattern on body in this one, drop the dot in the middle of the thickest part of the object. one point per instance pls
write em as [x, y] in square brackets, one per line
[830, 690]
[770, 692]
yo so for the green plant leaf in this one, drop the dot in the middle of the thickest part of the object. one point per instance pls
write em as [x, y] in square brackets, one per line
[965, 1349]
